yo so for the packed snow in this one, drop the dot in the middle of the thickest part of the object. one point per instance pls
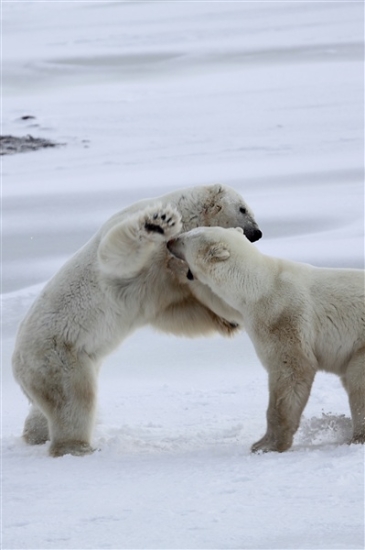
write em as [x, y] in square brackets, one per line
[145, 98]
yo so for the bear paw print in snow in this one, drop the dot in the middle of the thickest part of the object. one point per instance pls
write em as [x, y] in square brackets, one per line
[166, 222]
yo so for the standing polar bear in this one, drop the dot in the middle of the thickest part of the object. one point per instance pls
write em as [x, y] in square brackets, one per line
[300, 319]
[122, 279]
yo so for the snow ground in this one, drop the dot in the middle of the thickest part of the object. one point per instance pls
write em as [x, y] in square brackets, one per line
[147, 97]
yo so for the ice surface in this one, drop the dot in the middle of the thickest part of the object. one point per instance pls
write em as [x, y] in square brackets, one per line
[151, 96]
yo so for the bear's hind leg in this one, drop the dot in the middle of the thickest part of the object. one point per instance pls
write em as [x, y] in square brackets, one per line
[64, 389]
[354, 383]
[35, 427]
[72, 419]
[71, 431]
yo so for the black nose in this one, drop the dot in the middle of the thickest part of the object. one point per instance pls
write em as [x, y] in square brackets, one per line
[253, 235]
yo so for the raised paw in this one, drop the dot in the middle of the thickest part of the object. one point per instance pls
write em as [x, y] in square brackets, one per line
[164, 222]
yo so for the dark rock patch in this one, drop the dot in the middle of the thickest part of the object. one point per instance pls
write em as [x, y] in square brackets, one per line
[9, 145]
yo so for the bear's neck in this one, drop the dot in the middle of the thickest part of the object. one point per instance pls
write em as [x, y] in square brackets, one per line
[247, 281]
[256, 276]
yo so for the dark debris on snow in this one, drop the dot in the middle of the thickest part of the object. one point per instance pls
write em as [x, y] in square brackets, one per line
[10, 145]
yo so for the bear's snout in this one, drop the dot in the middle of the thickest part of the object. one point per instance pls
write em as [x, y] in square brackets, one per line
[175, 247]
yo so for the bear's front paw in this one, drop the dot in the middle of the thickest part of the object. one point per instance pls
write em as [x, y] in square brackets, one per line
[269, 443]
[163, 223]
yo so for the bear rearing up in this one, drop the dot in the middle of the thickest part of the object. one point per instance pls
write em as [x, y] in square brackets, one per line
[122, 279]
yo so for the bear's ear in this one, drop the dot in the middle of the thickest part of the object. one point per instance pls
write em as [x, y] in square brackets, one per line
[219, 253]
[217, 188]
[240, 230]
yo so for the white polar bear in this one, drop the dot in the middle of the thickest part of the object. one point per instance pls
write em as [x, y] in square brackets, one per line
[122, 279]
[300, 319]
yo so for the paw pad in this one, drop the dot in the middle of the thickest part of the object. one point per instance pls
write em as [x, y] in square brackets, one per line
[164, 222]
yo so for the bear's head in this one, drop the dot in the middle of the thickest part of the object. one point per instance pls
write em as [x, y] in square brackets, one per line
[218, 205]
[205, 248]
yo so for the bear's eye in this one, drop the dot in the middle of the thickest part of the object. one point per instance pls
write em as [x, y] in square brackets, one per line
[243, 210]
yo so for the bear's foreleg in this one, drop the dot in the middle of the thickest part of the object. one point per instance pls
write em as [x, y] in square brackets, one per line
[354, 383]
[132, 244]
[190, 318]
[290, 384]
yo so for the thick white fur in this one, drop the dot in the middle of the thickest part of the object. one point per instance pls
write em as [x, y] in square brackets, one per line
[122, 279]
[300, 318]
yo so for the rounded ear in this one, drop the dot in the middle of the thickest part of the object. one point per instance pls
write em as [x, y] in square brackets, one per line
[240, 230]
[219, 253]
[217, 188]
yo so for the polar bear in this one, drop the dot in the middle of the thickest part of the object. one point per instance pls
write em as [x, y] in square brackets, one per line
[122, 279]
[300, 319]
